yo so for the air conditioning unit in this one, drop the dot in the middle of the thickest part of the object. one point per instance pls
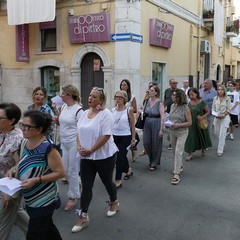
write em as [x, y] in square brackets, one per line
[205, 47]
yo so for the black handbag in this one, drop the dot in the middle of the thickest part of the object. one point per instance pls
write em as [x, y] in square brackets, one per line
[140, 121]
[141, 118]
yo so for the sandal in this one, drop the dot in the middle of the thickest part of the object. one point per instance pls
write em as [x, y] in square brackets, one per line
[176, 179]
[70, 204]
[128, 174]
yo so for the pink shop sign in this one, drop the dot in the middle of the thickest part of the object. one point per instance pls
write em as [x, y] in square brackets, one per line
[89, 28]
[22, 43]
[160, 33]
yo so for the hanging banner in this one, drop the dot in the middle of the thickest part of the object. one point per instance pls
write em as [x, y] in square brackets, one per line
[89, 28]
[30, 11]
[22, 43]
[160, 33]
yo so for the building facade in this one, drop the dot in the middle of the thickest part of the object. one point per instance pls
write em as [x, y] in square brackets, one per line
[100, 42]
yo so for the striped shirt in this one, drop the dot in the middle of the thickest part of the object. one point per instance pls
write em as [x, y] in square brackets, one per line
[33, 163]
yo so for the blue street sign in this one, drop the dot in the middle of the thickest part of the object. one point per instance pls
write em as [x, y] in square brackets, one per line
[121, 37]
[136, 38]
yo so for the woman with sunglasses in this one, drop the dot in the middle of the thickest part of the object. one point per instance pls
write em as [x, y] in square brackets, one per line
[39, 97]
[123, 134]
[181, 119]
[39, 168]
[11, 136]
[220, 109]
[98, 155]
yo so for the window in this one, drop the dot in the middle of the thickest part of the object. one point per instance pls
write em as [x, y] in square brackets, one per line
[48, 40]
[48, 36]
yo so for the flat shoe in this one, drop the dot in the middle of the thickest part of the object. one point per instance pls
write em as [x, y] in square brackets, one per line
[119, 185]
[142, 153]
[189, 158]
[152, 168]
[175, 180]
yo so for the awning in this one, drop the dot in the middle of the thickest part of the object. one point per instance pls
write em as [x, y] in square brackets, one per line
[30, 11]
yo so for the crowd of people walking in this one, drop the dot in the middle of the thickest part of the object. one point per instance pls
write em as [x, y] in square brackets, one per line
[97, 141]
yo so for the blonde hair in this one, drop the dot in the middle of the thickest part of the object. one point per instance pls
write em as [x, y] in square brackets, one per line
[73, 91]
[123, 94]
[102, 95]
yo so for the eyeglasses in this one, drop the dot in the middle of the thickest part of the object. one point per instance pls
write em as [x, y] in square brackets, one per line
[231, 86]
[119, 97]
[26, 127]
[99, 90]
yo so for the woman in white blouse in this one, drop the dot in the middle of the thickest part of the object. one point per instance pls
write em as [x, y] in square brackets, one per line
[220, 109]
[98, 154]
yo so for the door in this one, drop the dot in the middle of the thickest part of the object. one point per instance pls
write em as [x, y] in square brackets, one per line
[91, 75]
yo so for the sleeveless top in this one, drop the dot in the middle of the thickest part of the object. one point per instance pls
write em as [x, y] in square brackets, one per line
[34, 163]
[177, 113]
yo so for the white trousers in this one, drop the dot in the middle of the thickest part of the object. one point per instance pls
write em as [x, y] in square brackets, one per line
[71, 164]
[220, 130]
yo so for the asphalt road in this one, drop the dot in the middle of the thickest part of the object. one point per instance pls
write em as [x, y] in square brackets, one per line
[205, 205]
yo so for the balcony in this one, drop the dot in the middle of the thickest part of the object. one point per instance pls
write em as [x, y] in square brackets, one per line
[208, 14]
[232, 30]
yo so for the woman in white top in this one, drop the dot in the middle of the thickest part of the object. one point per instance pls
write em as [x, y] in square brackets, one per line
[68, 118]
[220, 109]
[123, 134]
[125, 85]
[98, 154]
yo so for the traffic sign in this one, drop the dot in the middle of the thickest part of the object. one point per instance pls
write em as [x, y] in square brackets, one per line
[121, 37]
[136, 38]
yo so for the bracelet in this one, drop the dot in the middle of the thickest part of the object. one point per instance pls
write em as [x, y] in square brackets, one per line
[40, 179]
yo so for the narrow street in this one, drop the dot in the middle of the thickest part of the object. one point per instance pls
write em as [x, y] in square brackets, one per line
[204, 206]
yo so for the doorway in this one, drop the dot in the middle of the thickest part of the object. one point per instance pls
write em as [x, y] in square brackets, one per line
[91, 75]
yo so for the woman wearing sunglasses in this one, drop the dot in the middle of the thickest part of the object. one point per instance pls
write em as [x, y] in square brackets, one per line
[39, 168]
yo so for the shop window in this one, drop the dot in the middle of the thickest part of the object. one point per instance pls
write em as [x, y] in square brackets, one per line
[50, 79]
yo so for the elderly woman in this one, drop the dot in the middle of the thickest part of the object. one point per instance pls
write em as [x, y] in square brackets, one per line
[39, 168]
[180, 117]
[70, 113]
[10, 139]
[153, 127]
[39, 97]
[221, 108]
[98, 151]
[123, 134]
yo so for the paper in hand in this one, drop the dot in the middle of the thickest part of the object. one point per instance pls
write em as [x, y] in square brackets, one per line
[10, 186]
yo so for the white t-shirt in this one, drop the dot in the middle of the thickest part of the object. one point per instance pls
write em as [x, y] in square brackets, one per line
[121, 125]
[91, 130]
[234, 96]
[68, 119]
[129, 104]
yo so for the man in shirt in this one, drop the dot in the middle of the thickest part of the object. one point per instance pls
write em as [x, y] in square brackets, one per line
[186, 88]
[234, 96]
[207, 93]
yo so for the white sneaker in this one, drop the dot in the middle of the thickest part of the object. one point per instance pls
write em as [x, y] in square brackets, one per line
[113, 208]
[231, 137]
